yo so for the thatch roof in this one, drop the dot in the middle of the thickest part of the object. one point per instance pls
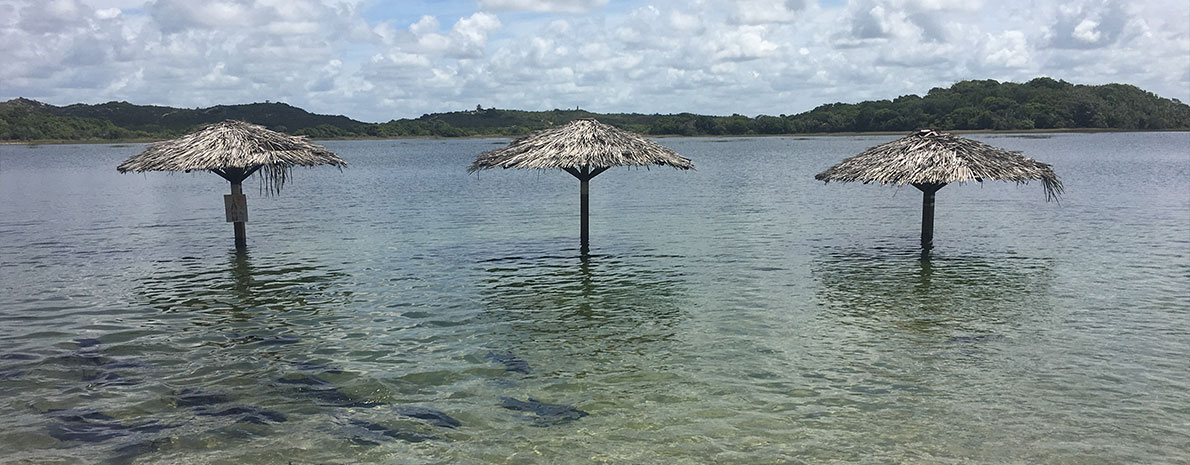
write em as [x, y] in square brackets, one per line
[583, 142]
[234, 144]
[932, 157]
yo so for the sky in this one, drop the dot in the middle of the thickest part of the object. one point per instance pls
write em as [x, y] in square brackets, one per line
[375, 60]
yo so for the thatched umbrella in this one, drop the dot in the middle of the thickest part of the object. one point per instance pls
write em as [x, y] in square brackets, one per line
[584, 148]
[234, 150]
[930, 159]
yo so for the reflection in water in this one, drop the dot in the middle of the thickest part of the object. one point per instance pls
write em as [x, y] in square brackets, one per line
[600, 335]
[906, 345]
[946, 295]
[199, 284]
[595, 305]
[255, 314]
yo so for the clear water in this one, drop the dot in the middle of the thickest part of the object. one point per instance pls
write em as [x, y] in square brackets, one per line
[740, 313]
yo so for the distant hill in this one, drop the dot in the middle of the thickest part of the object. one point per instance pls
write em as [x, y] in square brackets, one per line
[276, 116]
[81, 121]
[1042, 103]
[29, 120]
[492, 121]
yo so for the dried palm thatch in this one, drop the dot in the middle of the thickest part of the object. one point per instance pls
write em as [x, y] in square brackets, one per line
[583, 142]
[584, 148]
[931, 157]
[234, 147]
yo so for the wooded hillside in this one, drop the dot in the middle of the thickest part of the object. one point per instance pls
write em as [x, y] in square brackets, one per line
[1042, 103]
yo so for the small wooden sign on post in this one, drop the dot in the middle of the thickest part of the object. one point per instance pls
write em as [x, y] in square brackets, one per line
[236, 207]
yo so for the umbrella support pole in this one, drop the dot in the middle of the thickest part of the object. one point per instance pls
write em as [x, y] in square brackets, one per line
[927, 217]
[584, 223]
[240, 229]
[236, 177]
[584, 176]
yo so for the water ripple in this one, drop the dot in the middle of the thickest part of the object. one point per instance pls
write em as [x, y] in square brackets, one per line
[737, 314]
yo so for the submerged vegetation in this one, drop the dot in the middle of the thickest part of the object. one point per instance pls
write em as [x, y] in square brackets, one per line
[1042, 103]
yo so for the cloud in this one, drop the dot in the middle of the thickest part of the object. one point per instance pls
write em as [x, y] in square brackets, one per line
[932, 26]
[756, 12]
[466, 39]
[327, 76]
[546, 6]
[53, 16]
[181, 15]
[470, 34]
[638, 29]
[872, 22]
[1007, 50]
[1088, 24]
[373, 62]
[685, 22]
[108, 13]
[743, 43]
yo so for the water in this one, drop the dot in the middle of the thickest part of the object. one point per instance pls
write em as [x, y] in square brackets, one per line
[740, 313]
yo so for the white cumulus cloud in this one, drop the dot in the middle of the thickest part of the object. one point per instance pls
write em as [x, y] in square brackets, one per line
[564, 6]
[1007, 50]
[378, 60]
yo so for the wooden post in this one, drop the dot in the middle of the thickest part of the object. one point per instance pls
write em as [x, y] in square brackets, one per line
[240, 230]
[927, 217]
[927, 222]
[584, 175]
[236, 177]
[584, 210]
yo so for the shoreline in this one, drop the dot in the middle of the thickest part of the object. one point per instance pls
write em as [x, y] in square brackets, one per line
[664, 136]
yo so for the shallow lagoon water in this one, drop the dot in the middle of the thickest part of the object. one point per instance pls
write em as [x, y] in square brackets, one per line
[740, 313]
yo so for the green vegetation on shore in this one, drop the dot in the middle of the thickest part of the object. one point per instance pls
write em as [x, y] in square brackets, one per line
[1041, 103]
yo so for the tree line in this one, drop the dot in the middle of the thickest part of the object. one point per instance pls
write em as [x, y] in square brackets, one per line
[1041, 103]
